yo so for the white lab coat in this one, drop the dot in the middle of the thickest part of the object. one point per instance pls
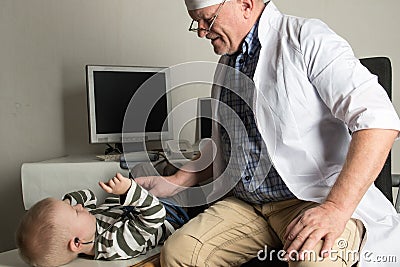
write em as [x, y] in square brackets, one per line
[310, 90]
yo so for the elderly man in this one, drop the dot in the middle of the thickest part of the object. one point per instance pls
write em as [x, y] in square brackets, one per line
[306, 184]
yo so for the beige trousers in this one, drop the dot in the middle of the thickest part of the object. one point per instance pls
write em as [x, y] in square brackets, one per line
[231, 232]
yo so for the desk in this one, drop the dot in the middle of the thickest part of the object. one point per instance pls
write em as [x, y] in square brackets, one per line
[54, 178]
[12, 259]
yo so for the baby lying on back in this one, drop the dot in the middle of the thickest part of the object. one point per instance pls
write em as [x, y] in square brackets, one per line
[54, 232]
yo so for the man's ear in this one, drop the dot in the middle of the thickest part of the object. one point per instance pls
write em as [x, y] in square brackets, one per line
[247, 8]
[74, 244]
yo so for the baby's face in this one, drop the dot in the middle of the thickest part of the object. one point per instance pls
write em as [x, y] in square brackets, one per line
[81, 223]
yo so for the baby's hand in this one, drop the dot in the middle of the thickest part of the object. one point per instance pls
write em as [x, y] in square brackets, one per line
[118, 185]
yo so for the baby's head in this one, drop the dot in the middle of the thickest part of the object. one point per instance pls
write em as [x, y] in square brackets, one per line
[46, 233]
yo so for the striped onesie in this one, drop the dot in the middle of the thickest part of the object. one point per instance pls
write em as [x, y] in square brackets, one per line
[126, 226]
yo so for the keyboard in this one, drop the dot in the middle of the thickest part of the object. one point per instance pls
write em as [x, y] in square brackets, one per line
[140, 156]
[110, 157]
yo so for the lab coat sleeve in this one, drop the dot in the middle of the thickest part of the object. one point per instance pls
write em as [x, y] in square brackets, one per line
[349, 90]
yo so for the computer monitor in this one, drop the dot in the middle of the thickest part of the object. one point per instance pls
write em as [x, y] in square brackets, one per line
[204, 118]
[110, 90]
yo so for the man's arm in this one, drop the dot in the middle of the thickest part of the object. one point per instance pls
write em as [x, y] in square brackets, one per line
[192, 173]
[365, 159]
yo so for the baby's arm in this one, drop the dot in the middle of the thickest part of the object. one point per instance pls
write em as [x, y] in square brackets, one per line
[151, 211]
[143, 225]
[84, 197]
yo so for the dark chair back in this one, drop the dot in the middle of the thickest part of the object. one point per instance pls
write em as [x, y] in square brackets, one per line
[381, 67]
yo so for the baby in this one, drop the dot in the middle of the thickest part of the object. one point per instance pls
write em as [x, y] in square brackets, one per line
[54, 232]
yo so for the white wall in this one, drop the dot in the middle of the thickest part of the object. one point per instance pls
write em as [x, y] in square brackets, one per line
[45, 45]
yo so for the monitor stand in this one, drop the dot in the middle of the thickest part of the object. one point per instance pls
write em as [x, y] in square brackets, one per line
[113, 149]
[118, 148]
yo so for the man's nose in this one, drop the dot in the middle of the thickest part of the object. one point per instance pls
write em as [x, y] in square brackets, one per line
[202, 26]
[202, 33]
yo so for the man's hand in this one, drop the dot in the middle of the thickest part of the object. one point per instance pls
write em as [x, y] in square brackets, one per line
[159, 186]
[118, 185]
[365, 158]
[323, 222]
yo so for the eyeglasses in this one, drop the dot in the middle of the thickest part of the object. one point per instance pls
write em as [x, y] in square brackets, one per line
[193, 28]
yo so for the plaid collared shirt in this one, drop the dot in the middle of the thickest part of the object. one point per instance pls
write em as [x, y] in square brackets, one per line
[259, 182]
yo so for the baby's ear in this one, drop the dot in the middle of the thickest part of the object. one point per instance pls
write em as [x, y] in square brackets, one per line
[74, 244]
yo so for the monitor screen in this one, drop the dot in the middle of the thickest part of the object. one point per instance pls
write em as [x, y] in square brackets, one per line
[111, 90]
[204, 115]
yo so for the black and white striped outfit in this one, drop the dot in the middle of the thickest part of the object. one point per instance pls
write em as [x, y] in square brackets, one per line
[142, 228]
